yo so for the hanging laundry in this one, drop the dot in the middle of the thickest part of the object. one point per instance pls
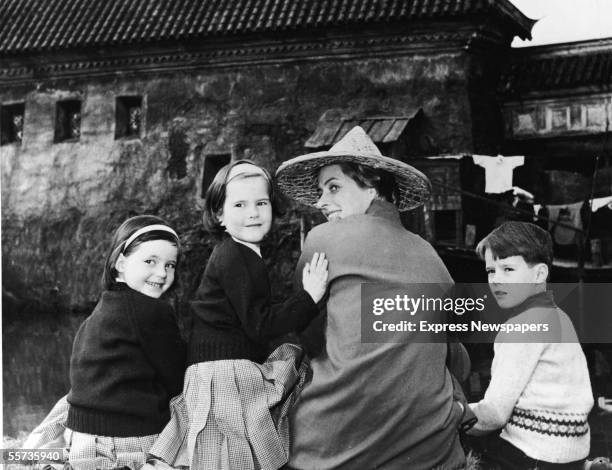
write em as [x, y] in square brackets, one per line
[522, 194]
[498, 171]
[599, 202]
[567, 214]
[523, 203]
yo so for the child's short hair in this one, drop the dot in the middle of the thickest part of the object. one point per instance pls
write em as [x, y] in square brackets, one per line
[524, 239]
[121, 236]
[215, 195]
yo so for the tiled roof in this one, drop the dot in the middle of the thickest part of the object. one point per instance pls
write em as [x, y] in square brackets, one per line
[380, 129]
[559, 66]
[42, 25]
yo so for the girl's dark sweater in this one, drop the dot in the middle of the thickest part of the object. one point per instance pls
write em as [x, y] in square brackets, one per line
[233, 317]
[128, 360]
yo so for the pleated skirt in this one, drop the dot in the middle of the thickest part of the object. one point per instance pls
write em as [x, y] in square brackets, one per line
[87, 451]
[233, 414]
[90, 452]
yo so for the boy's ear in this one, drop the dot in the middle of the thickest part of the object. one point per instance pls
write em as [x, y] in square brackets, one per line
[541, 273]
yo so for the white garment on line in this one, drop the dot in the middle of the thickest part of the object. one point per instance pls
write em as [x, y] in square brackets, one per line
[498, 171]
[522, 193]
[598, 203]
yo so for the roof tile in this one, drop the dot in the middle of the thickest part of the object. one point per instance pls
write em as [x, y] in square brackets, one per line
[559, 66]
[382, 129]
[38, 25]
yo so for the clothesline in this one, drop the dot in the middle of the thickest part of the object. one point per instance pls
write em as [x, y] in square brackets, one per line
[504, 206]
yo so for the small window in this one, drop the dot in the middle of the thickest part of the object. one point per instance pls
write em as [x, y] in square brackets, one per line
[559, 117]
[128, 116]
[212, 164]
[12, 123]
[596, 115]
[576, 116]
[68, 120]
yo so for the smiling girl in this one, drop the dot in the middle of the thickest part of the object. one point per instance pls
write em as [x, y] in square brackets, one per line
[128, 357]
[232, 413]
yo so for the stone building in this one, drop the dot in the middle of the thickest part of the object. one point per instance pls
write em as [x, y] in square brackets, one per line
[557, 106]
[115, 108]
[557, 100]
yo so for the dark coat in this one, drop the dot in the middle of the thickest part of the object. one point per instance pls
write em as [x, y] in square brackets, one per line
[380, 405]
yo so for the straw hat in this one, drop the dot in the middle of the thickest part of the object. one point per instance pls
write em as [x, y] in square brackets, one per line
[298, 177]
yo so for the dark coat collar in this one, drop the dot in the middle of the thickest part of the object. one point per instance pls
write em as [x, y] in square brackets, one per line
[384, 209]
[540, 300]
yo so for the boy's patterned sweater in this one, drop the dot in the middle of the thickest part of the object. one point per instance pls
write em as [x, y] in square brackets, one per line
[540, 392]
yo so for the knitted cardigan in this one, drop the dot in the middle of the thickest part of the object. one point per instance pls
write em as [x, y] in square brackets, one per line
[378, 405]
[540, 393]
[233, 317]
[128, 360]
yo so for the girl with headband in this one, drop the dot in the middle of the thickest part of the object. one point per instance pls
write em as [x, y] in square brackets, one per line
[128, 357]
[232, 413]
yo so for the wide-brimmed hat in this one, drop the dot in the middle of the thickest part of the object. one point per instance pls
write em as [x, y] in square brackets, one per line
[298, 177]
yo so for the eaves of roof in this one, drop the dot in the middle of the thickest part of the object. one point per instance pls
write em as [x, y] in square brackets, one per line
[28, 26]
[553, 67]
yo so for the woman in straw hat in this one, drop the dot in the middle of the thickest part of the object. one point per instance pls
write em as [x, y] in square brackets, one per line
[378, 405]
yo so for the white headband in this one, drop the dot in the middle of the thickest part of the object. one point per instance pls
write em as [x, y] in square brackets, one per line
[148, 228]
[240, 170]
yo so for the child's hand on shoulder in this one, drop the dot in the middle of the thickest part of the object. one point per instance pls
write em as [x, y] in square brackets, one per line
[314, 276]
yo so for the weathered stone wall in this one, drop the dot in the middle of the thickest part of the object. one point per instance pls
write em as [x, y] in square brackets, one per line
[61, 201]
[486, 117]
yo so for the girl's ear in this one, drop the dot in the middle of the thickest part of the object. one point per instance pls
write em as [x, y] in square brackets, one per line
[219, 216]
[120, 265]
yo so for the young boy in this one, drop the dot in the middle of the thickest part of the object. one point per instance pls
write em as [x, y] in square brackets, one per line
[540, 392]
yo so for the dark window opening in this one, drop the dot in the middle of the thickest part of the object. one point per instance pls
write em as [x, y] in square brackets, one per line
[128, 116]
[11, 119]
[178, 147]
[68, 120]
[212, 164]
[445, 225]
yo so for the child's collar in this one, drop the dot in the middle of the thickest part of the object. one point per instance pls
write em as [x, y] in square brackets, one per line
[252, 246]
[120, 285]
[541, 299]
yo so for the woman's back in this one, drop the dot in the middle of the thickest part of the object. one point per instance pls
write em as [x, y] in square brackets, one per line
[383, 405]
